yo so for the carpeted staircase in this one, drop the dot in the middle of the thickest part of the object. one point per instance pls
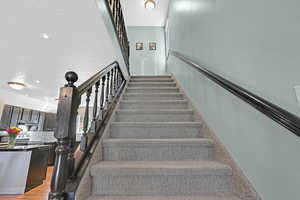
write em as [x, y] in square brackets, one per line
[156, 150]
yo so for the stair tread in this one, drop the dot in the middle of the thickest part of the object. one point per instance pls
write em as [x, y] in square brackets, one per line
[154, 101]
[157, 124]
[187, 167]
[157, 141]
[155, 94]
[151, 76]
[151, 88]
[152, 83]
[214, 197]
[143, 111]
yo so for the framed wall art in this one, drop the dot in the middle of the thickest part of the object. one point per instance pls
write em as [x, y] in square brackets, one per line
[139, 46]
[152, 46]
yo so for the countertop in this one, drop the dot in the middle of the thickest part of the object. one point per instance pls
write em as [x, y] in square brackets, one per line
[22, 148]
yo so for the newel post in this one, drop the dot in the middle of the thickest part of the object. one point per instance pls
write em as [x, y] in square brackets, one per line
[69, 101]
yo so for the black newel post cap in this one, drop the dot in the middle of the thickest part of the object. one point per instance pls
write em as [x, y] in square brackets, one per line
[71, 78]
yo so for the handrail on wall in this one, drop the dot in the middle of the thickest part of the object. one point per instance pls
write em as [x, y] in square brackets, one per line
[274, 112]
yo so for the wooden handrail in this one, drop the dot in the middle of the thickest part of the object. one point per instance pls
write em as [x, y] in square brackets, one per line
[274, 112]
[68, 169]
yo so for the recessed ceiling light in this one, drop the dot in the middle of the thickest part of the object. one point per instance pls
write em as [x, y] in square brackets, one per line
[150, 4]
[38, 81]
[45, 36]
[16, 85]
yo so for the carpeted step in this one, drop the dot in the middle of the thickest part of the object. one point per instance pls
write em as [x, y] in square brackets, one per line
[151, 77]
[153, 96]
[123, 149]
[155, 129]
[152, 90]
[214, 197]
[150, 84]
[162, 115]
[161, 178]
[169, 104]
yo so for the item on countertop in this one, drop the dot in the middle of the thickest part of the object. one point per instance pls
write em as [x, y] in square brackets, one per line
[13, 132]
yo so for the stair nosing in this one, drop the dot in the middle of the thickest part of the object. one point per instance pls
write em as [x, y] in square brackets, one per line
[154, 101]
[154, 94]
[187, 167]
[163, 197]
[157, 124]
[145, 142]
[151, 111]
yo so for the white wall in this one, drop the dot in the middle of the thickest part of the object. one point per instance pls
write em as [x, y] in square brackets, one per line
[78, 41]
[146, 62]
[255, 44]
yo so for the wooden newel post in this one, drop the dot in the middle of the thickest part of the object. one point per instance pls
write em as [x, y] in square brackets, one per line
[69, 101]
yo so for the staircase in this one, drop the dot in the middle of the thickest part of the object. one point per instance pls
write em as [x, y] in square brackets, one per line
[156, 151]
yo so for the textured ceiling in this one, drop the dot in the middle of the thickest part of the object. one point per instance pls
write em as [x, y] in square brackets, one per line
[77, 41]
[136, 14]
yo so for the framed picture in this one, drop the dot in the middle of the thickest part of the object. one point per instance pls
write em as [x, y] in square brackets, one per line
[139, 46]
[152, 46]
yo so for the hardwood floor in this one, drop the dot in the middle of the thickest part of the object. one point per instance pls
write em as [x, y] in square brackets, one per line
[38, 193]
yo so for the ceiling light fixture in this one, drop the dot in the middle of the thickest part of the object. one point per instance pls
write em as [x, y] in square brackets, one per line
[16, 85]
[45, 36]
[150, 4]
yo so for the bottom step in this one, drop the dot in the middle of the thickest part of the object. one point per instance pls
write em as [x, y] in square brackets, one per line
[134, 178]
[164, 198]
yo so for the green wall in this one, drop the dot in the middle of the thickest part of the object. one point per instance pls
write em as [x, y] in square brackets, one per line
[255, 44]
[145, 62]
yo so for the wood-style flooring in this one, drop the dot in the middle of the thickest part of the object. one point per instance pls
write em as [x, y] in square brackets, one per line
[38, 193]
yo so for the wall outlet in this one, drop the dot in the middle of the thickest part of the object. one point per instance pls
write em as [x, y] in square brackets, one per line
[297, 91]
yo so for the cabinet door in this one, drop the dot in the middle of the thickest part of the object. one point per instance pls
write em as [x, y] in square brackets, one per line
[6, 116]
[35, 115]
[50, 122]
[26, 115]
[15, 117]
[41, 121]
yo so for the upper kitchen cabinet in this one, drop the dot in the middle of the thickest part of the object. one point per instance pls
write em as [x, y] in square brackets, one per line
[15, 116]
[50, 122]
[35, 116]
[34, 120]
[41, 121]
[6, 116]
[25, 116]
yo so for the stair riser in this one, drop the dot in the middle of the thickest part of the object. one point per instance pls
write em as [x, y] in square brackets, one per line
[142, 84]
[154, 132]
[158, 152]
[161, 105]
[149, 97]
[152, 90]
[161, 185]
[157, 117]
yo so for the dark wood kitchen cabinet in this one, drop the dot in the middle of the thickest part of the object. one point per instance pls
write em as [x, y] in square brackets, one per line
[50, 122]
[37, 120]
[15, 117]
[41, 121]
[25, 116]
[35, 116]
[6, 116]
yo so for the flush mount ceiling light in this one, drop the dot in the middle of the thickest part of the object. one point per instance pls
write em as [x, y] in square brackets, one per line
[150, 4]
[16, 85]
[45, 36]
